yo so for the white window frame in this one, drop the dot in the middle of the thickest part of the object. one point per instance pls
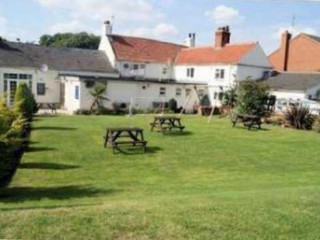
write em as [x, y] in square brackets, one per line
[178, 92]
[162, 91]
[220, 73]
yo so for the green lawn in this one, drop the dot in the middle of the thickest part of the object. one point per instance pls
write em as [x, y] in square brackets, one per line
[213, 182]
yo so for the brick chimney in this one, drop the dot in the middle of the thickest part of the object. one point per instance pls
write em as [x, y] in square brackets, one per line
[222, 37]
[285, 44]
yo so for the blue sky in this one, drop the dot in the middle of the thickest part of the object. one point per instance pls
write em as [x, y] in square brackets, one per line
[171, 20]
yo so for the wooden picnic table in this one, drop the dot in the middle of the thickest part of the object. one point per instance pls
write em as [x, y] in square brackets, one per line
[50, 106]
[164, 123]
[247, 120]
[133, 136]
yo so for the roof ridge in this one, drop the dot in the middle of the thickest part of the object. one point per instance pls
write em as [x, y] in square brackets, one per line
[213, 47]
[50, 47]
[149, 39]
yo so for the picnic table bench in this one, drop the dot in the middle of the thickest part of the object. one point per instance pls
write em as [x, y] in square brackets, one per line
[247, 120]
[164, 123]
[133, 136]
[51, 106]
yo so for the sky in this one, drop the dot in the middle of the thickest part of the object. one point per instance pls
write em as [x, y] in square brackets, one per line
[261, 21]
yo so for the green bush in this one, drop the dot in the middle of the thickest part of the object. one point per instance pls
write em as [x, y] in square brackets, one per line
[24, 101]
[11, 151]
[14, 131]
[251, 97]
[230, 97]
[299, 117]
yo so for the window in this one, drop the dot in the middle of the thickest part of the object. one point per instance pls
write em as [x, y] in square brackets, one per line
[10, 76]
[219, 74]
[178, 92]
[164, 71]
[41, 89]
[190, 72]
[162, 91]
[201, 93]
[126, 66]
[135, 66]
[76, 93]
[5, 85]
[142, 66]
[25, 76]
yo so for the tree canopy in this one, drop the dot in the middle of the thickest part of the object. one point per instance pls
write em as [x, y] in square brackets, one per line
[71, 40]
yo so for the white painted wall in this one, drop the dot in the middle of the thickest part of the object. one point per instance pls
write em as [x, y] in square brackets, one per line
[290, 95]
[141, 94]
[151, 70]
[50, 79]
[256, 57]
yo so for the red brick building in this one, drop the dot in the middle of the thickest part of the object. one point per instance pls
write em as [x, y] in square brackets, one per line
[300, 54]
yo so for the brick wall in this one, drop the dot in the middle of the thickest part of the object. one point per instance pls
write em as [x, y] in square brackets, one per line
[304, 55]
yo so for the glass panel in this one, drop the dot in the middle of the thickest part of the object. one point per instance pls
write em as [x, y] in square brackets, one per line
[13, 88]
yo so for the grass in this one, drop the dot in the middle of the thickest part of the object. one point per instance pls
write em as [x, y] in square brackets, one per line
[213, 182]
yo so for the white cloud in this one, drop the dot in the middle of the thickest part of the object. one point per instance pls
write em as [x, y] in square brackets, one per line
[74, 26]
[225, 15]
[162, 31]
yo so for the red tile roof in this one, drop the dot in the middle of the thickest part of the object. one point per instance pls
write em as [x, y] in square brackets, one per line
[137, 49]
[210, 55]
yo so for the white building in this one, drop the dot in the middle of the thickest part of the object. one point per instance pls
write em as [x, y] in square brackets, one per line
[138, 72]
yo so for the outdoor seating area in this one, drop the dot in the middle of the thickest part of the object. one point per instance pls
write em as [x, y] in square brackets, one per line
[248, 121]
[68, 179]
[133, 136]
[166, 123]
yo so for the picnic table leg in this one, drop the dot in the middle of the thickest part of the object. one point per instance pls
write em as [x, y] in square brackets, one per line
[179, 124]
[144, 144]
[161, 126]
[153, 124]
[235, 122]
[106, 139]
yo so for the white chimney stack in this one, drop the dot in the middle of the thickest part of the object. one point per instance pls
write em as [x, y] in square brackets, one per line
[107, 28]
[191, 40]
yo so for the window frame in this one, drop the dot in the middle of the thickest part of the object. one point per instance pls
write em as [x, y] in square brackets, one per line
[162, 91]
[41, 91]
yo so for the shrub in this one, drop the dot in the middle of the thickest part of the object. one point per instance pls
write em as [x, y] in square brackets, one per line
[251, 97]
[24, 101]
[275, 120]
[299, 117]
[10, 154]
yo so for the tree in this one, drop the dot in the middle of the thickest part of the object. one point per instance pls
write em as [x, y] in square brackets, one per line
[230, 97]
[251, 97]
[71, 40]
[98, 96]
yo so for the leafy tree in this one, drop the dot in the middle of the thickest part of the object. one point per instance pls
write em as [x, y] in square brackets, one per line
[71, 40]
[24, 101]
[251, 97]
[173, 105]
[230, 97]
[98, 96]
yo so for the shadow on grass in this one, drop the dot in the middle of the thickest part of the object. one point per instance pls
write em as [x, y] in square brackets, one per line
[253, 129]
[137, 150]
[40, 149]
[178, 133]
[47, 166]
[54, 128]
[22, 194]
